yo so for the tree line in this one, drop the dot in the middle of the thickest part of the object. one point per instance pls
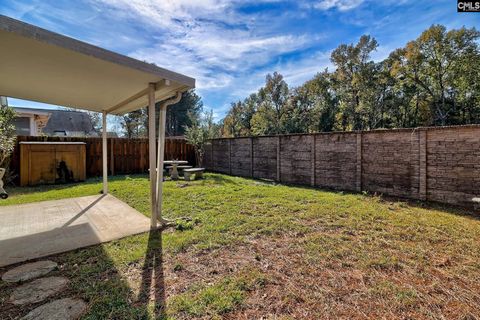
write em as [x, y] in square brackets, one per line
[432, 81]
[179, 116]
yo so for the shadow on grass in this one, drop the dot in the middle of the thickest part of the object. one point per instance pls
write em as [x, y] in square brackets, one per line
[458, 210]
[94, 277]
[15, 190]
[220, 179]
[153, 280]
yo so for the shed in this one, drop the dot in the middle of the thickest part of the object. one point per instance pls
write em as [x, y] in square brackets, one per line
[51, 162]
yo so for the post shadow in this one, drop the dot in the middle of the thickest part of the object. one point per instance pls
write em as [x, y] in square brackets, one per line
[83, 211]
[152, 285]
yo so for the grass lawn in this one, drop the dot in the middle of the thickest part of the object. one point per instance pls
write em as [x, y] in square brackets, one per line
[255, 249]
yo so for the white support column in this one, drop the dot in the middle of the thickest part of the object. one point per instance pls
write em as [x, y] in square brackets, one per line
[104, 152]
[152, 153]
[161, 155]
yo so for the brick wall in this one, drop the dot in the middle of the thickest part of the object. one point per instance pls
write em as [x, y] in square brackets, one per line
[439, 164]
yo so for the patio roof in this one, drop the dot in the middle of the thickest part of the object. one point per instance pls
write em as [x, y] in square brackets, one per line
[40, 65]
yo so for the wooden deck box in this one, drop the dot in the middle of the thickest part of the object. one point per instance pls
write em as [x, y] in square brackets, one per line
[51, 162]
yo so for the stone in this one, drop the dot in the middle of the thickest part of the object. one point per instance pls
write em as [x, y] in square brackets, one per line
[38, 290]
[62, 309]
[29, 271]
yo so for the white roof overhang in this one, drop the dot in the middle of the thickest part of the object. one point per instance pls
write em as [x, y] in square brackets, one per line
[39, 65]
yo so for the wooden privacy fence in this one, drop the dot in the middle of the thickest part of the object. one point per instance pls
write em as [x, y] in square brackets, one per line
[439, 164]
[125, 156]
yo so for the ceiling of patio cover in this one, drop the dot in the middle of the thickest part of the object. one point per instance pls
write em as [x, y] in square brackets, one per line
[39, 65]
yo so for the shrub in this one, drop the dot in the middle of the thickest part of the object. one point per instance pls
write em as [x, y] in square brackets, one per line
[7, 135]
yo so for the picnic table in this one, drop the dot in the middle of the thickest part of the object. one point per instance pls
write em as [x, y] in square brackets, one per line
[175, 164]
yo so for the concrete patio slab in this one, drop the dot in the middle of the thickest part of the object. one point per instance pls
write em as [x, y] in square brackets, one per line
[39, 229]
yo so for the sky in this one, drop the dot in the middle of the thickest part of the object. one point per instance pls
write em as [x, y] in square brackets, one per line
[229, 46]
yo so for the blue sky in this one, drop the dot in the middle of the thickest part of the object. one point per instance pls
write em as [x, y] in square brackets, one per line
[229, 46]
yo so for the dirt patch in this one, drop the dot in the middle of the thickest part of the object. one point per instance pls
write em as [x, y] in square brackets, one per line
[299, 287]
[182, 270]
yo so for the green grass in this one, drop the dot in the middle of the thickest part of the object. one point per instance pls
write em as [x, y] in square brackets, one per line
[380, 258]
[216, 299]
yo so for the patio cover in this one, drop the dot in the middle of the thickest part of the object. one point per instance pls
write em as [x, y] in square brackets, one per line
[39, 65]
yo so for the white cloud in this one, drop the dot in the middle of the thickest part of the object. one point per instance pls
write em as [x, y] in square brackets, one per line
[229, 53]
[342, 5]
[207, 39]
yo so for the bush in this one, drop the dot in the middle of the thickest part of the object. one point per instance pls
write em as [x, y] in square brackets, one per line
[7, 135]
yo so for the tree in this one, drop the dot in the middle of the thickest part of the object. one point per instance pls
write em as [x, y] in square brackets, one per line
[179, 114]
[238, 120]
[134, 124]
[433, 80]
[355, 82]
[96, 119]
[271, 106]
[434, 62]
[199, 132]
[319, 101]
[7, 135]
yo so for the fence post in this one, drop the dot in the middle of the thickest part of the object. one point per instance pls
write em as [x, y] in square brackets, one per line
[278, 160]
[359, 162]
[423, 164]
[312, 159]
[251, 157]
[213, 160]
[112, 156]
[230, 156]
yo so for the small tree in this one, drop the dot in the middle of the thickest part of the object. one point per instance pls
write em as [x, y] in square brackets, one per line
[202, 129]
[7, 135]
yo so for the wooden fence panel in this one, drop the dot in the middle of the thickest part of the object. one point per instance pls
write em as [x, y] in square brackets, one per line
[125, 156]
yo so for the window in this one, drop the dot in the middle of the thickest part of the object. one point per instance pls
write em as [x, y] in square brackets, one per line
[60, 133]
[22, 126]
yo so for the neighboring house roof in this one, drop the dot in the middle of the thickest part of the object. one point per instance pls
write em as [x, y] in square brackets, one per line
[63, 122]
[32, 111]
[74, 122]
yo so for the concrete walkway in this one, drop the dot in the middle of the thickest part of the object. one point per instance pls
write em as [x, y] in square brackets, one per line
[34, 230]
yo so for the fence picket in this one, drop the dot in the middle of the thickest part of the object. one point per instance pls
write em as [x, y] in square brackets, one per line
[129, 155]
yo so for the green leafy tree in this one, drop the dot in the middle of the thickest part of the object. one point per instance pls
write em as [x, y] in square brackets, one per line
[355, 82]
[433, 80]
[434, 62]
[199, 132]
[134, 124]
[271, 106]
[319, 101]
[7, 135]
[179, 114]
[238, 120]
